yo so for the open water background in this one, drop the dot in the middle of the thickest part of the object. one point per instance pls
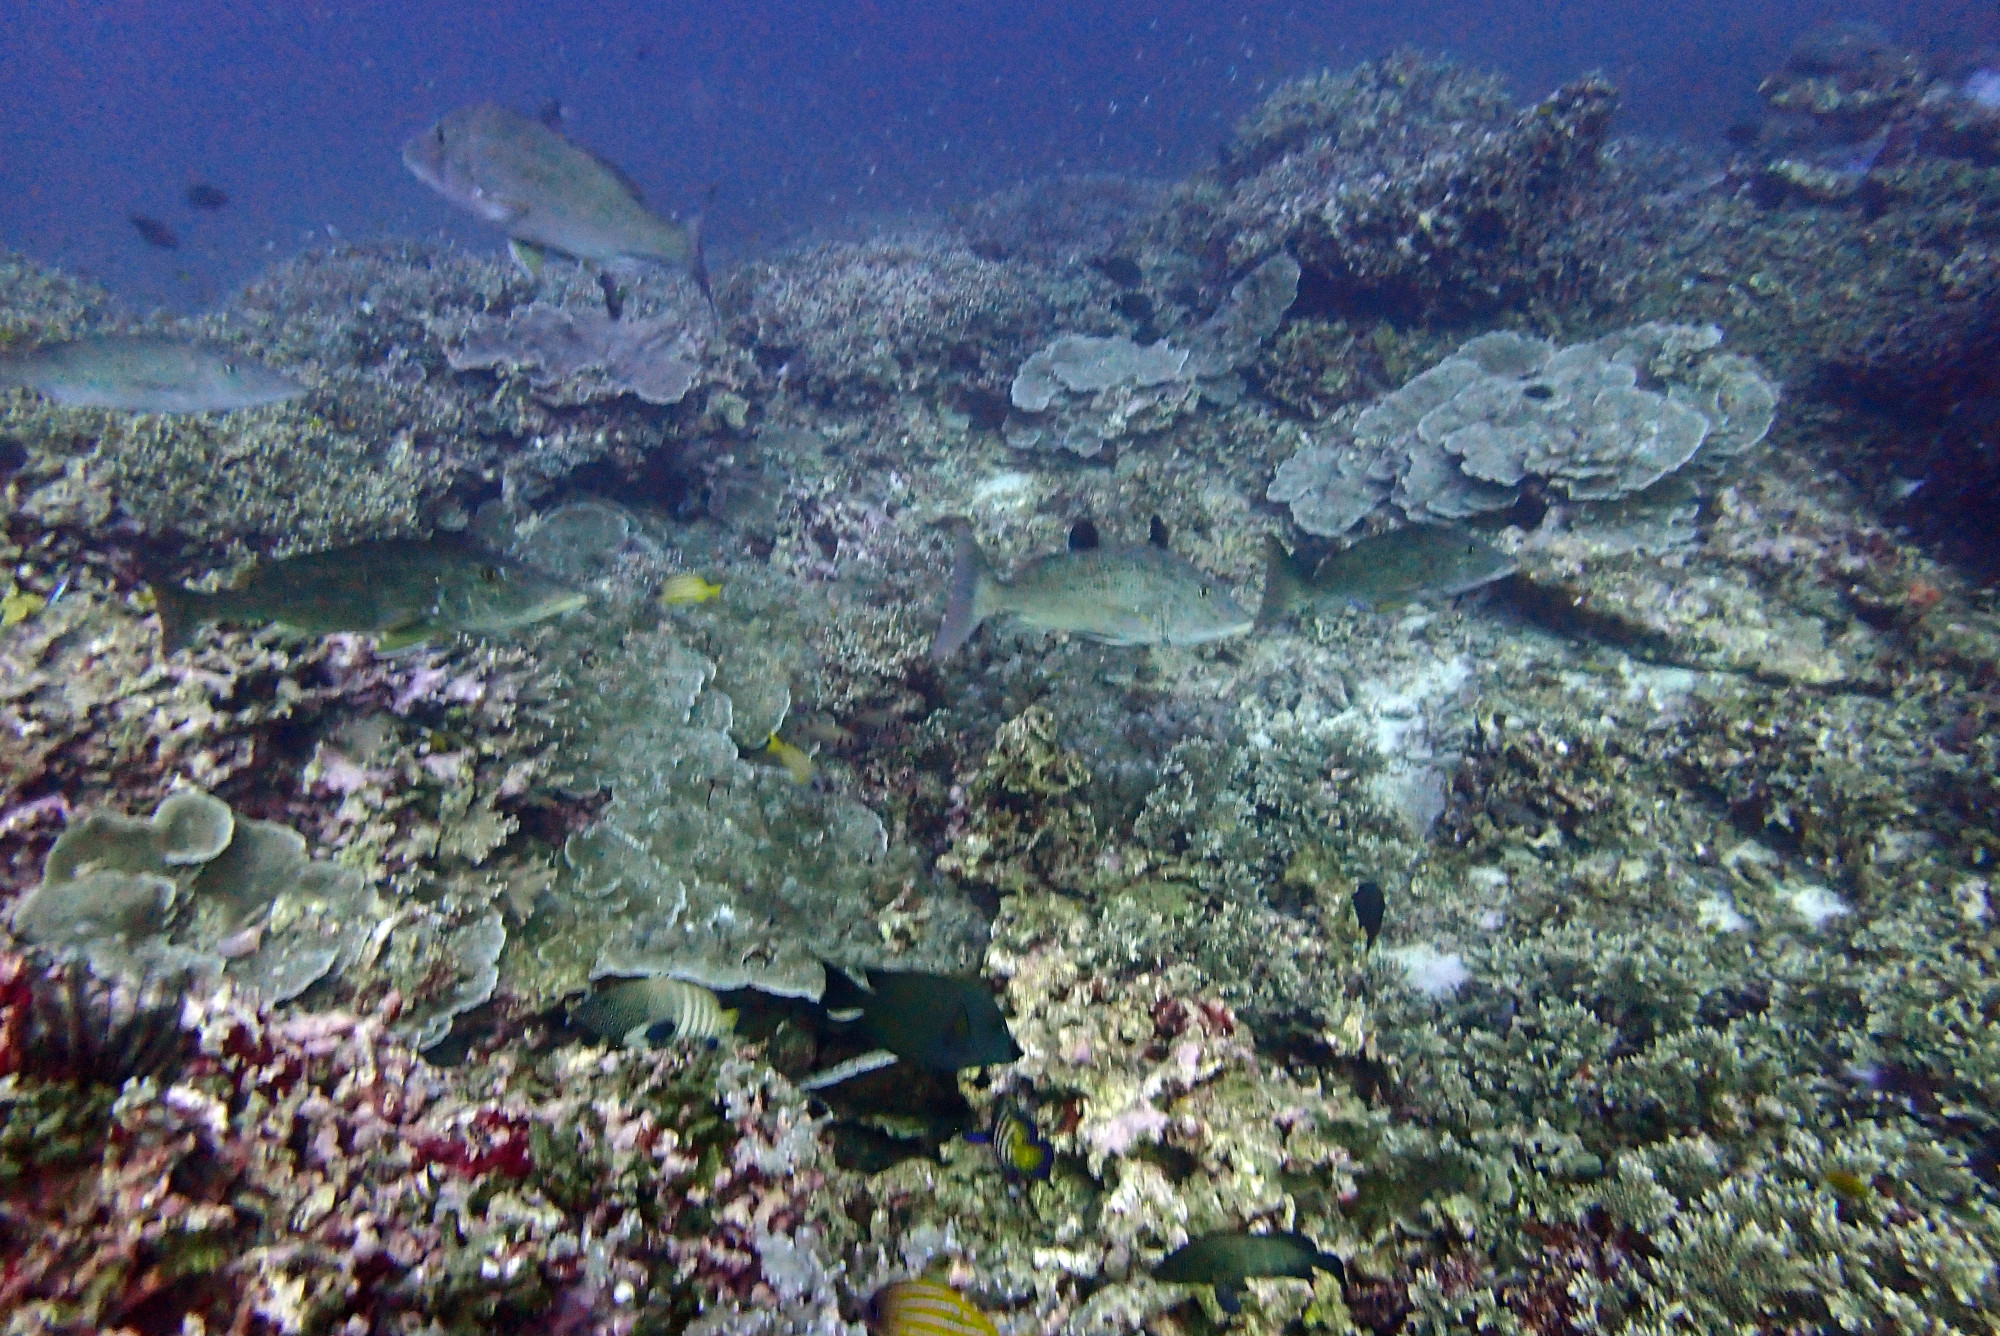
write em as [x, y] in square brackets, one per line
[808, 115]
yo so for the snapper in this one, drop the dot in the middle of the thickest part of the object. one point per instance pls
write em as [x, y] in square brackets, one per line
[1137, 595]
[146, 373]
[546, 193]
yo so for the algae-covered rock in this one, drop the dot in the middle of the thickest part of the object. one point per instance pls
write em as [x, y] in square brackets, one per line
[100, 904]
[467, 956]
[187, 829]
[1257, 304]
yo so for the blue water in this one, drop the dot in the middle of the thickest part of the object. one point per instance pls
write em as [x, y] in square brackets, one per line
[809, 116]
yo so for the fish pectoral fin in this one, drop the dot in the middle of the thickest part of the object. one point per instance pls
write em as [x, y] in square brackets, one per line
[404, 635]
[528, 255]
[499, 208]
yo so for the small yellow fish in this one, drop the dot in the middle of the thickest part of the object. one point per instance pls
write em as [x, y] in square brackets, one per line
[926, 1308]
[796, 763]
[1846, 1183]
[687, 587]
[17, 605]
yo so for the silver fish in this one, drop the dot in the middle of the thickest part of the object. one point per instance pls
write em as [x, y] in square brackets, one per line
[146, 373]
[545, 192]
[1410, 563]
[404, 591]
[1139, 595]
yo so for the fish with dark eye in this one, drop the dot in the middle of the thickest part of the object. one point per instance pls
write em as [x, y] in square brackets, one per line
[545, 192]
[652, 1012]
[153, 231]
[1225, 1260]
[1017, 1145]
[146, 373]
[794, 761]
[939, 1022]
[925, 1308]
[687, 588]
[1135, 595]
[404, 591]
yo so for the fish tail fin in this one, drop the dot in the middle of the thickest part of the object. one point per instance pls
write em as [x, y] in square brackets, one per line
[181, 611]
[698, 257]
[842, 992]
[969, 575]
[1281, 584]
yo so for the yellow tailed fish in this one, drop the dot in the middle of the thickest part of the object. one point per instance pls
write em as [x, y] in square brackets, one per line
[926, 1308]
[688, 588]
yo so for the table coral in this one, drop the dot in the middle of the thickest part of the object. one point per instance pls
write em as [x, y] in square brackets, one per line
[1593, 422]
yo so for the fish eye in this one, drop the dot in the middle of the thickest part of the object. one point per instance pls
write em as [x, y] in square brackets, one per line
[1204, 591]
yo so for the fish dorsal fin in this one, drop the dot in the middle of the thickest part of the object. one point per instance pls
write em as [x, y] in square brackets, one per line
[618, 174]
[1156, 534]
[1082, 536]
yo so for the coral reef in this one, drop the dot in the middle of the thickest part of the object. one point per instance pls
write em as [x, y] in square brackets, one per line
[1061, 222]
[1460, 439]
[1406, 185]
[1079, 393]
[391, 440]
[196, 887]
[1023, 830]
[850, 323]
[312, 1174]
[1607, 952]
[574, 357]
[713, 870]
